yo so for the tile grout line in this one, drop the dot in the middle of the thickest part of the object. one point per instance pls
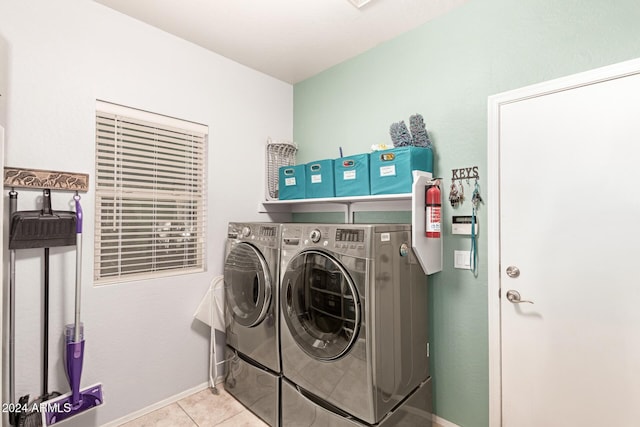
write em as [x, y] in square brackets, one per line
[220, 421]
[187, 414]
[229, 417]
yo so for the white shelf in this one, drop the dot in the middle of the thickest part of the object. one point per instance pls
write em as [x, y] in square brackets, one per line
[385, 197]
[327, 204]
[428, 251]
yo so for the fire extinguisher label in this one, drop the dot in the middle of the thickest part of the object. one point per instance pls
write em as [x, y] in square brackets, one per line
[433, 218]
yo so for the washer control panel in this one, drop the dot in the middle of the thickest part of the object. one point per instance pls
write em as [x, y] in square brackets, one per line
[342, 239]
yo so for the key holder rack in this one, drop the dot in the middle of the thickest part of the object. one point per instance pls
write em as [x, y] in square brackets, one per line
[456, 190]
[465, 173]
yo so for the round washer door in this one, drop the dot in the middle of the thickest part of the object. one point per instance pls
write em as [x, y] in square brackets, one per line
[247, 285]
[320, 304]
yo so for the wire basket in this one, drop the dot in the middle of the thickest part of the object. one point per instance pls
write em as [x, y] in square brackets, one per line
[278, 154]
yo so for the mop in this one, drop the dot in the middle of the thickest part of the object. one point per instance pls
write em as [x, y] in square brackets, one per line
[77, 401]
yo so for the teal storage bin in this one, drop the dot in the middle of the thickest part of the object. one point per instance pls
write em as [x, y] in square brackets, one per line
[352, 175]
[319, 179]
[391, 170]
[291, 183]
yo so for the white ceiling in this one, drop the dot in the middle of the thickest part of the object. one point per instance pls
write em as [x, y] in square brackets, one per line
[288, 39]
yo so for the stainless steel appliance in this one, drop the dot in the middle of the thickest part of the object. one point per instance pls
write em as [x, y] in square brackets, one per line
[304, 410]
[251, 278]
[354, 335]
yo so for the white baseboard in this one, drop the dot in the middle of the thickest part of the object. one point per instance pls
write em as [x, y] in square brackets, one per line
[442, 422]
[157, 405]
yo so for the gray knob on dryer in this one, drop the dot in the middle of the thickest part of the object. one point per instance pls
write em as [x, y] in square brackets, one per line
[315, 235]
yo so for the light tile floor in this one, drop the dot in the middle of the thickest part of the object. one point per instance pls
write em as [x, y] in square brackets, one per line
[202, 409]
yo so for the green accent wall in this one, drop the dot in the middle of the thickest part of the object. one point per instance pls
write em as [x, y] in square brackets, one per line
[445, 70]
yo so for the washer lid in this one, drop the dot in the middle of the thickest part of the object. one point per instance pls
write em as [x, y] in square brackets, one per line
[247, 284]
[320, 304]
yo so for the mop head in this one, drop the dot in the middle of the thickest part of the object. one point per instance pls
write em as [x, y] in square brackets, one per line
[400, 134]
[62, 408]
[419, 135]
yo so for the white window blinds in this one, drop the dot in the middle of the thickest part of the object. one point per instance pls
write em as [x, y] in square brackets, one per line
[150, 195]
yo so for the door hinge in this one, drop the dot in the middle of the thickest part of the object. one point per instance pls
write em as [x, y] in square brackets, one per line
[499, 293]
[428, 350]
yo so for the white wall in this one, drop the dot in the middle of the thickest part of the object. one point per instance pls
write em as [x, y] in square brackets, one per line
[3, 82]
[3, 97]
[141, 340]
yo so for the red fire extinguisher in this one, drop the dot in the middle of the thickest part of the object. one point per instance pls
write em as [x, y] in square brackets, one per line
[433, 207]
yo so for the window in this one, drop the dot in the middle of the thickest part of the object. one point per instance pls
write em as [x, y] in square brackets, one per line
[150, 195]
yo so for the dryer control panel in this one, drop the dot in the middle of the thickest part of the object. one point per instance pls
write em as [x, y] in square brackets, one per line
[264, 234]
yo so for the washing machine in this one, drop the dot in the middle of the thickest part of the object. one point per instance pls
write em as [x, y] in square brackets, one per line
[354, 331]
[251, 280]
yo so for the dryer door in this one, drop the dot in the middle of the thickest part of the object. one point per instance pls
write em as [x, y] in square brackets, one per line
[247, 284]
[320, 305]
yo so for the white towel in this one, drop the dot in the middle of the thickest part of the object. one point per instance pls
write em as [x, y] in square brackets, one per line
[214, 298]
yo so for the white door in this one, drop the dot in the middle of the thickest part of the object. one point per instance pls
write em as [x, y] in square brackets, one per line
[569, 221]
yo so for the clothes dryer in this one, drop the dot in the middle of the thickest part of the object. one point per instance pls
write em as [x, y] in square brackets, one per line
[354, 335]
[251, 279]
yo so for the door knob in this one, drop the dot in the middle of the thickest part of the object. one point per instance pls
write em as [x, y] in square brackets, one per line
[514, 297]
[513, 271]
